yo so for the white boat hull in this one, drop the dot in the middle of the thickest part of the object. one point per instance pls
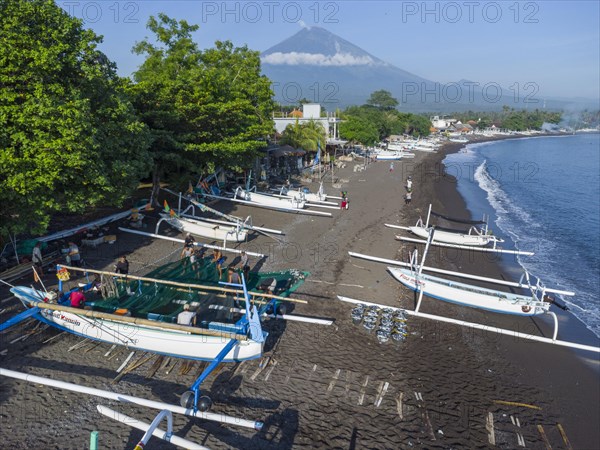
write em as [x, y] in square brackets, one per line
[271, 201]
[152, 339]
[469, 295]
[206, 229]
[473, 240]
[388, 156]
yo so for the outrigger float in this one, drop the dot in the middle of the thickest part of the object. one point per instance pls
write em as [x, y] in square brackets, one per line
[140, 313]
[537, 302]
[474, 238]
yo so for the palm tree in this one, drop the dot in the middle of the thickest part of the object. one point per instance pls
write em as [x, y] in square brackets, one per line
[305, 135]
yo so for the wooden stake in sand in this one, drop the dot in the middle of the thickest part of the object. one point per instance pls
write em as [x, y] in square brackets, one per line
[489, 426]
[524, 405]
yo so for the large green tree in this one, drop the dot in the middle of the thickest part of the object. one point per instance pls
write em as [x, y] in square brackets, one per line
[69, 138]
[358, 129]
[382, 99]
[204, 108]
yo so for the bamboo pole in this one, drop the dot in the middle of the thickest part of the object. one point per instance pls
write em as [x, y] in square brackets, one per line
[186, 285]
[140, 321]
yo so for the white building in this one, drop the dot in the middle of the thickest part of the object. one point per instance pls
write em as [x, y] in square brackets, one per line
[310, 111]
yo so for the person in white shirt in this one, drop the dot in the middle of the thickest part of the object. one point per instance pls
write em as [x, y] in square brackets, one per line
[186, 317]
[36, 258]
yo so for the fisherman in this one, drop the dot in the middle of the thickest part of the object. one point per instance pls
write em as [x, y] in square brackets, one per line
[122, 265]
[244, 262]
[233, 276]
[77, 298]
[186, 317]
[36, 258]
[186, 255]
[218, 259]
[189, 241]
[74, 256]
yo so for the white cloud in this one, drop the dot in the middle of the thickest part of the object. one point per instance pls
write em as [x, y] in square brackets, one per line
[316, 59]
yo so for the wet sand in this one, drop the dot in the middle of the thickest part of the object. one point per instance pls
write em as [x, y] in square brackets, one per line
[324, 387]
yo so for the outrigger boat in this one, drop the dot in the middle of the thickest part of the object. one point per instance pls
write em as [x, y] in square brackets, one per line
[141, 312]
[472, 238]
[201, 228]
[316, 198]
[230, 220]
[537, 302]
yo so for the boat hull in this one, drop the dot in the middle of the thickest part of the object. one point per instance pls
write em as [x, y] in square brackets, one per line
[206, 229]
[153, 339]
[473, 240]
[274, 202]
[469, 295]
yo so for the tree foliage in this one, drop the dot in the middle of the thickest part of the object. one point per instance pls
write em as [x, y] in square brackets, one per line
[383, 100]
[69, 138]
[360, 130]
[306, 135]
[365, 118]
[510, 118]
[203, 107]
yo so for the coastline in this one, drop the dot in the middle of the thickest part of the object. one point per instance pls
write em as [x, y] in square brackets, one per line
[328, 387]
[568, 376]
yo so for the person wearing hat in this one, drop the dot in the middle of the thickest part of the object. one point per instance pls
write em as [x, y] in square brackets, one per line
[186, 317]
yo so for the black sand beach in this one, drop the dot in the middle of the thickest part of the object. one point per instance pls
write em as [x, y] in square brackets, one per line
[325, 387]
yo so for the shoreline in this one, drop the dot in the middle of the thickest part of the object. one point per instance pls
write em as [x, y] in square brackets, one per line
[328, 387]
[572, 374]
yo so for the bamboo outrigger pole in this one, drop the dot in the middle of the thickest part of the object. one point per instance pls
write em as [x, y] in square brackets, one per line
[186, 285]
[139, 321]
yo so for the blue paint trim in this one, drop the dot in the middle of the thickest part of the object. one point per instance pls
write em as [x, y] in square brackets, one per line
[19, 318]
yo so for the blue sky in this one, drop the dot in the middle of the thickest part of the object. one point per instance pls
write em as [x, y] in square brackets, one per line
[554, 44]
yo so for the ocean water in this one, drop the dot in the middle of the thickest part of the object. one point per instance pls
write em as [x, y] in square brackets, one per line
[541, 194]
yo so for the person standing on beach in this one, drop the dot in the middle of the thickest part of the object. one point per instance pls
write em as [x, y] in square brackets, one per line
[122, 266]
[74, 255]
[36, 258]
[392, 166]
[407, 198]
[218, 260]
[244, 262]
[189, 241]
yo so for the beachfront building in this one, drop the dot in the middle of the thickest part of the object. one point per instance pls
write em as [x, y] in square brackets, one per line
[441, 123]
[310, 111]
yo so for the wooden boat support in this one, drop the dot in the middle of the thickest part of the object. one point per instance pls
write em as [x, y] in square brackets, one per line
[478, 326]
[184, 285]
[139, 321]
[222, 418]
[167, 238]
